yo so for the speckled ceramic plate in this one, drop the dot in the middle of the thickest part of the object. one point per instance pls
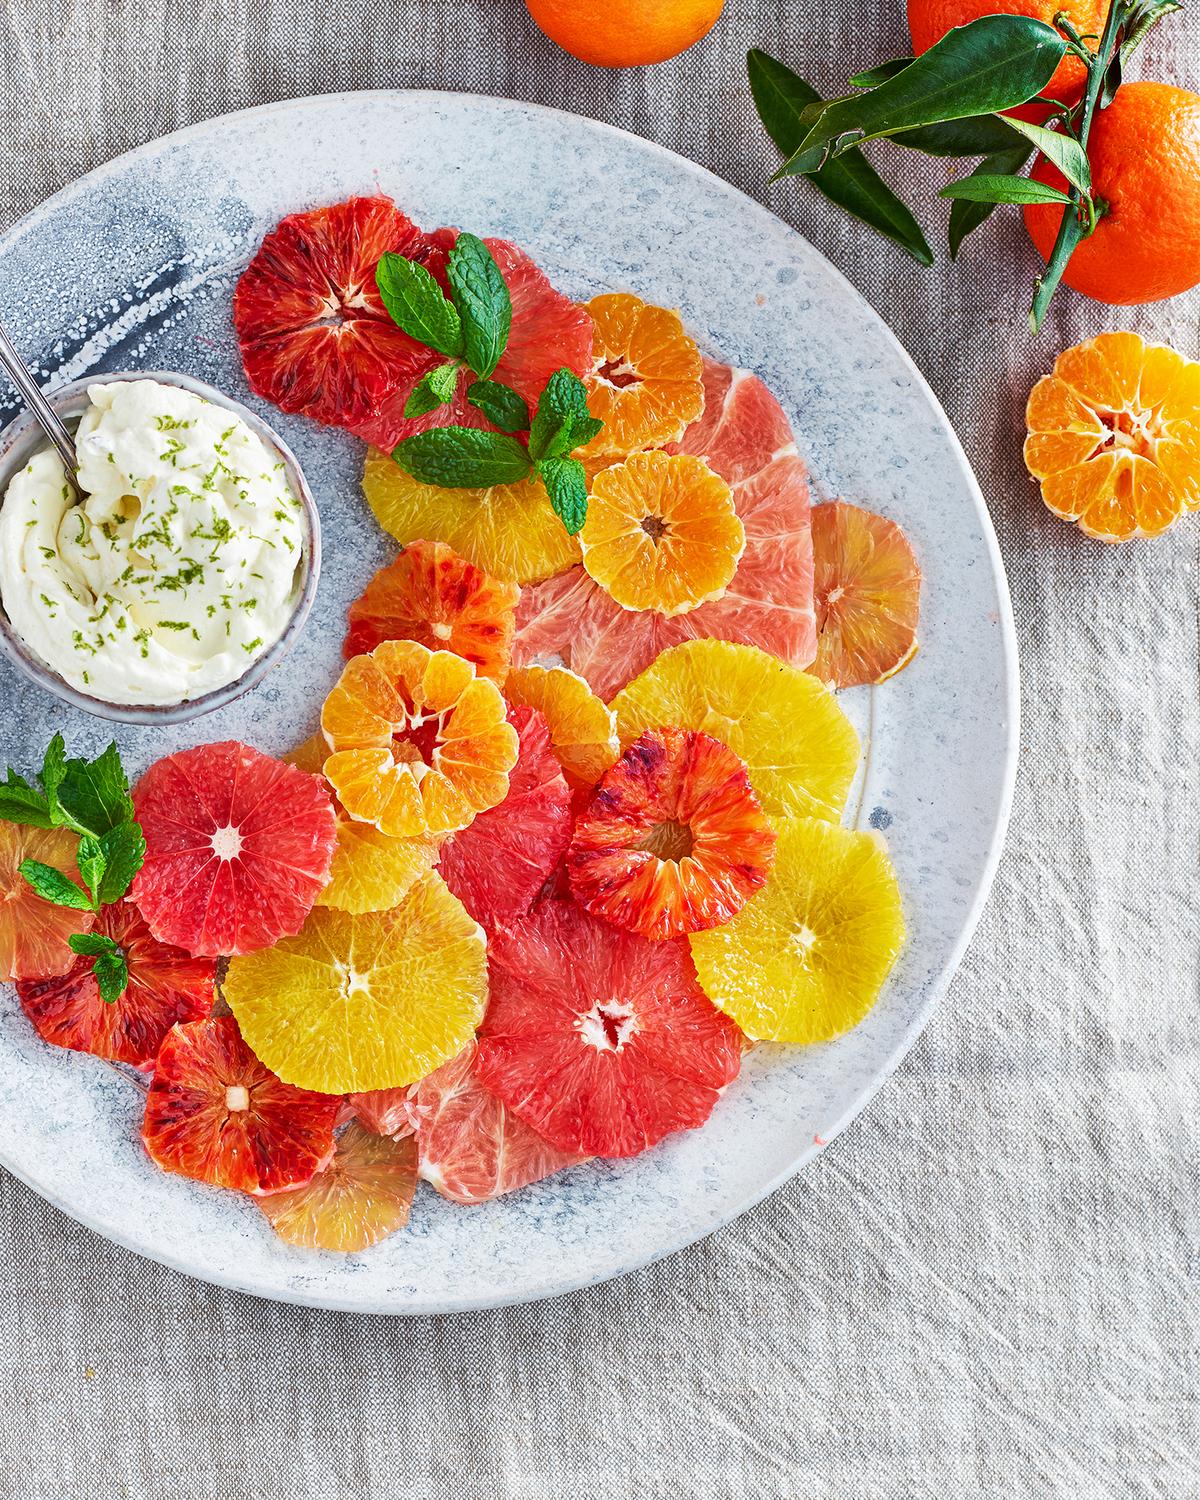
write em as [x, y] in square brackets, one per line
[133, 267]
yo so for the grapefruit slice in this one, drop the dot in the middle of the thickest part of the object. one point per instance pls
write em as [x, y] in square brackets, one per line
[385, 1111]
[33, 933]
[472, 1148]
[498, 865]
[361, 1197]
[868, 596]
[645, 382]
[745, 438]
[238, 848]
[314, 334]
[674, 840]
[214, 1113]
[166, 985]
[601, 1041]
[583, 729]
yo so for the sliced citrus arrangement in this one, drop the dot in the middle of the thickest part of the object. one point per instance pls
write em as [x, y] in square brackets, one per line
[385, 1111]
[674, 839]
[582, 728]
[645, 384]
[238, 848]
[498, 865]
[165, 985]
[799, 747]
[805, 959]
[661, 533]
[357, 1003]
[601, 1041]
[33, 933]
[1114, 437]
[362, 1196]
[867, 588]
[431, 595]
[216, 1114]
[508, 530]
[418, 743]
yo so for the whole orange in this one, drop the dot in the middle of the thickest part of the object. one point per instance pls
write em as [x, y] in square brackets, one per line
[1145, 155]
[625, 33]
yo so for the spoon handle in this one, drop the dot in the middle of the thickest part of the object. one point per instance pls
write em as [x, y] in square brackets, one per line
[47, 418]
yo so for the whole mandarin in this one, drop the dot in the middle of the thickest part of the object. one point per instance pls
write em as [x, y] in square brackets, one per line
[625, 33]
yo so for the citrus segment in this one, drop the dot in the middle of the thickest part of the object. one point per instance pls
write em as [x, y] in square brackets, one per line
[165, 985]
[357, 1003]
[385, 1111]
[799, 747]
[1114, 437]
[418, 743]
[867, 588]
[33, 933]
[362, 1196]
[430, 594]
[674, 839]
[805, 960]
[498, 865]
[216, 1114]
[583, 729]
[645, 384]
[238, 847]
[601, 1041]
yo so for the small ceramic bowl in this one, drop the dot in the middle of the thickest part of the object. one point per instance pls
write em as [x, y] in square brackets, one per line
[23, 438]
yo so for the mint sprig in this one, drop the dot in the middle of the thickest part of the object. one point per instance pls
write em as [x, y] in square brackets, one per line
[111, 966]
[482, 300]
[418, 306]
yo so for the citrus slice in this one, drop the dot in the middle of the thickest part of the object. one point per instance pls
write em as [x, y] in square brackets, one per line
[472, 1147]
[361, 1003]
[418, 743]
[1114, 437]
[645, 384]
[430, 594]
[799, 747]
[362, 1196]
[583, 729]
[745, 438]
[238, 848]
[33, 933]
[674, 839]
[806, 959]
[601, 1041]
[165, 985]
[385, 1111]
[214, 1113]
[498, 866]
[867, 587]
[661, 533]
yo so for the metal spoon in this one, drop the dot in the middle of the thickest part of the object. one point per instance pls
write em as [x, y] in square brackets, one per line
[22, 378]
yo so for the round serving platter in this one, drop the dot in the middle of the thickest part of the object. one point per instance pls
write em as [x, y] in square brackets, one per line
[133, 267]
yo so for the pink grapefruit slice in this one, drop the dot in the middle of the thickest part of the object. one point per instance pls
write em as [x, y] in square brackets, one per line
[384, 1111]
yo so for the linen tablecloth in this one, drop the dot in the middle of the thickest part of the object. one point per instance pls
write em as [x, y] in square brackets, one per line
[990, 1285]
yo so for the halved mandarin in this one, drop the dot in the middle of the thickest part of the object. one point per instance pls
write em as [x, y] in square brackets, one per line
[1114, 437]
[646, 384]
[583, 730]
[661, 533]
[418, 743]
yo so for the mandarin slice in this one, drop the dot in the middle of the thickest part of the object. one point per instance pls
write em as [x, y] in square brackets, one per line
[799, 747]
[645, 384]
[867, 586]
[805, 960]
[583, 730]
[418, 743]
[34, 933]
[358, 1003]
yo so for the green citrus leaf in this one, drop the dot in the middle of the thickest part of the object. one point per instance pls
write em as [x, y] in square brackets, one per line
[1003, 188]
[880, 73]
[978, 135]
[965, 216]
[1063, 150]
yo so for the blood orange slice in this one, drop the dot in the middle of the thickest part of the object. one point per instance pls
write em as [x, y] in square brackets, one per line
[238, 848]
[498, 865]
[601, 1041]
[362, 1196]
[216, 1114]
[868, 596]
[385, 1111]
[166, 985]
[314, 334]
[33, 933]
[472, 1147]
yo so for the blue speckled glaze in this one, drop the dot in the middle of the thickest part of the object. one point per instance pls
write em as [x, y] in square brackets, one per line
[133, 267]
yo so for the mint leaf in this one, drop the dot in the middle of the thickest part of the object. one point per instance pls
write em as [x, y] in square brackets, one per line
[563, 421]
[92, 944]
[482, 298]
[416, 304]
[53, 886]
[92, 863]
[124, 851]
[433, 390]
[21, 803]
[500, 404]
[112, 976]
[463, 458]
[93, 796]
[565, 394]
[566, 484]
[54, 765]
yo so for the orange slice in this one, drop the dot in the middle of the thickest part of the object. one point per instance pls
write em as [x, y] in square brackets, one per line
[361, 1197]
[34, 933]
[867, 589]
[583, 730]
[646, 384]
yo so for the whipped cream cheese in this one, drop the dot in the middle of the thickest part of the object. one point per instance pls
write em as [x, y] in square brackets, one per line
[178, 569]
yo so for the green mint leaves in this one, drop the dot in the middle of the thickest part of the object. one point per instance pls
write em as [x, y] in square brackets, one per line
[500, 404]
[481, 296]
[463, 458]
[433, 390]
[111, 969]
[416, 304]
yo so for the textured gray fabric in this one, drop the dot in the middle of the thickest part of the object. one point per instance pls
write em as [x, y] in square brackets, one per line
[990, 1286]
